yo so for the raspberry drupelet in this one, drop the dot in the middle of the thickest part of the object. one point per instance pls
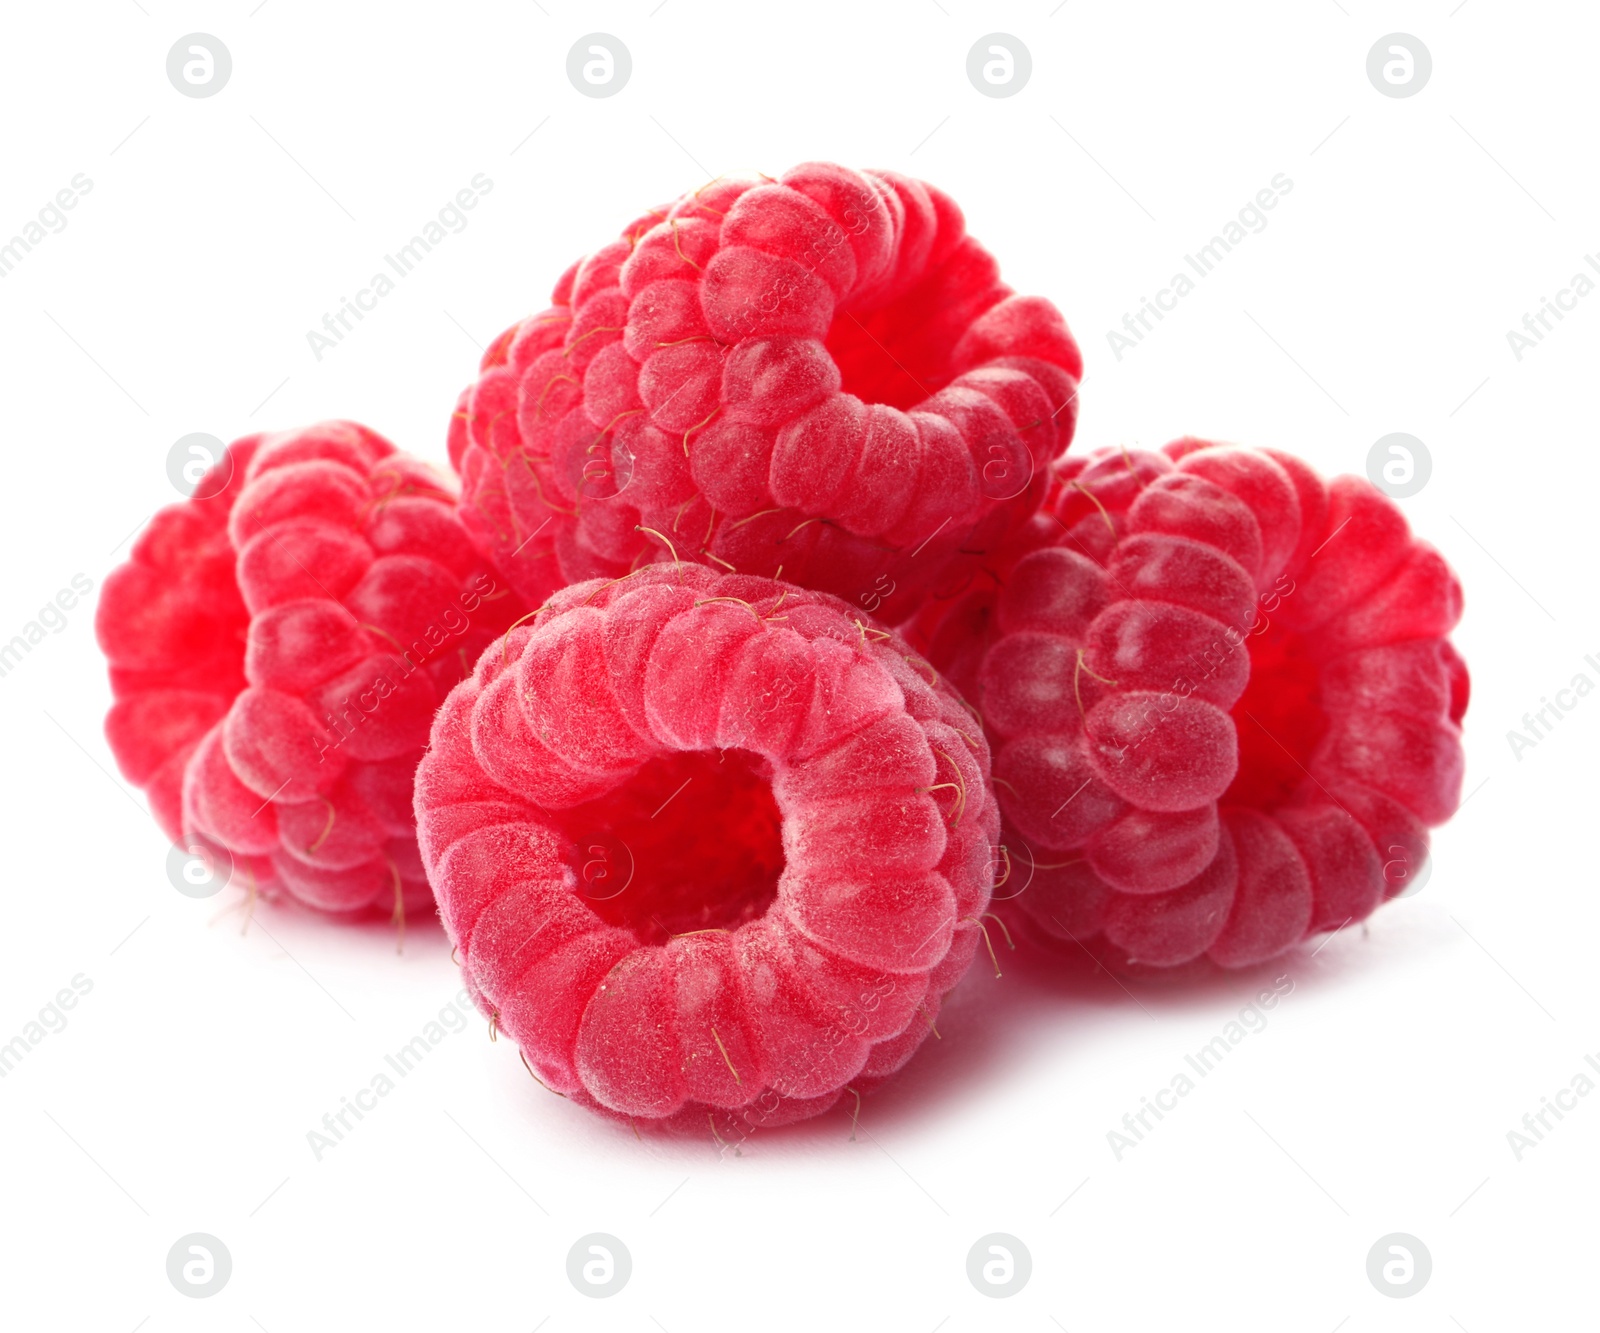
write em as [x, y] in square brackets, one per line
[278, 645]
[821, 374]
[711, 848]
[1222, 701]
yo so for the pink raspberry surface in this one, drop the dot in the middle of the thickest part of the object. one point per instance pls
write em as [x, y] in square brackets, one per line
[711, 848]
[821, 374]
[277, 652]
[1222, 702]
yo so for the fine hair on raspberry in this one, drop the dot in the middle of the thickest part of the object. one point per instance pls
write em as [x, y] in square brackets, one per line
[711, 848]
[820, 374]
[278, 644]
[1224, 706]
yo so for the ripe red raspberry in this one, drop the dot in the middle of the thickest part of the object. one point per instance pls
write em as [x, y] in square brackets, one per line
[821, 374]
[708, 846]
[277, 652]
[1223, 705]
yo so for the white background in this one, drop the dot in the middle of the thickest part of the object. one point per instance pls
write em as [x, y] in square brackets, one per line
[1379, 1097]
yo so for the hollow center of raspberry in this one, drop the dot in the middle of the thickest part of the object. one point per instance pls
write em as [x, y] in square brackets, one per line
[1279, 720]
[886, 355]
[691, 842]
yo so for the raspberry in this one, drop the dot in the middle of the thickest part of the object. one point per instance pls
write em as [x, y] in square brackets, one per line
[1223, 705]
[278, 646]
[711, 848]
[822, 375]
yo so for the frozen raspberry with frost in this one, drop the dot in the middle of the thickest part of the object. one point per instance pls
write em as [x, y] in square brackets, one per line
[278, 645]
[711, 848]
[1223, 704]
[821, 374]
